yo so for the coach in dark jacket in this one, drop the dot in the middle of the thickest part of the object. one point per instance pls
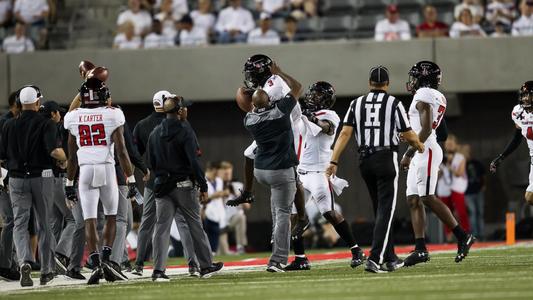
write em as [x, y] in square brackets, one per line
[173, 152]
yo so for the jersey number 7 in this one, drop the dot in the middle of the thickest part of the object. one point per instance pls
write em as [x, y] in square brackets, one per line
[441, 111]
[93, 135]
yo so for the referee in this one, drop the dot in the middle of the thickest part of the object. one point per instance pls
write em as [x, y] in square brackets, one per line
[376, 119]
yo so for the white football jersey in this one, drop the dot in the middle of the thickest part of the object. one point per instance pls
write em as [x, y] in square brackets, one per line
[438, 107]
[92, 128]
[317, 147]
[524, 120]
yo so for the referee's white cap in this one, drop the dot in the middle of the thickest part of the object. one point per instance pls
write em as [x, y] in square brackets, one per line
[160, 97]
[29, 95]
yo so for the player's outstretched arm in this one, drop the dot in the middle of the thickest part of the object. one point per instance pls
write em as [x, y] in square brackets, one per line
[294, 85]
[340, 145]
[510, 148]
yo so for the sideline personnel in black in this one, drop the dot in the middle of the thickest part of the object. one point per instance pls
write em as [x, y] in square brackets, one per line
[377, 119]
[28, 145]
[173, 155]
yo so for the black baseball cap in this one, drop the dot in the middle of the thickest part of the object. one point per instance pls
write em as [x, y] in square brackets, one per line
[379, 74]
[51, 106]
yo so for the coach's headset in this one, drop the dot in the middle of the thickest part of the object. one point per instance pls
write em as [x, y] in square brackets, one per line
[36, 88]
[173, 103]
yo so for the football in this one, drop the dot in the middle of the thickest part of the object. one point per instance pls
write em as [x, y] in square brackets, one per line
[84, 67]
[101, 73]
[244, 99]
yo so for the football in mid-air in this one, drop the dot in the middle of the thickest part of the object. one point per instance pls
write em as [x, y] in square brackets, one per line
[84, 67]
[101, 73]
[244, 99]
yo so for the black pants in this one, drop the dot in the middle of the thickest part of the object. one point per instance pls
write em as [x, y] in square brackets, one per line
[380, 172]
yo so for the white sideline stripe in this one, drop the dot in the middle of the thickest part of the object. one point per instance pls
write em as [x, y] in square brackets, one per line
[180, 274]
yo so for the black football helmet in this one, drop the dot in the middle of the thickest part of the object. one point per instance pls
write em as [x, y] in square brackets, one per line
[94, 93]
[257, 71]
[424, 74]
[525, 96]
[320, 95]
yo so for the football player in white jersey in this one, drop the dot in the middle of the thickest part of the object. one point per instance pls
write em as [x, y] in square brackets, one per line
[96, 130]
[425, 114]
[257, 75]
[321, 125]
[522, 116]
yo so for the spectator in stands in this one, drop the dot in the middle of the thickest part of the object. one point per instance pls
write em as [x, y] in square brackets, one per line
[475, 8]
[524, 25]
[291, 30]
[275, 8]
[203, 18]
[500, 29]
[190, 34]
[214, 211]
[456, 163]
[179, 8]
[127, 39]
[475, 193]
[5, 17]
[264, 35]
[33, 13]
[392, 28]
[301, 9]
[18, 43]
[465, 26]
[156, 39]
[235, 216]
[431, 27]
[141, 19]
[166, 17]
[502, 11]
[234, 23]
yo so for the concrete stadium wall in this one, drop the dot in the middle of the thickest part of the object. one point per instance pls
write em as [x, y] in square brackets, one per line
[214, 73]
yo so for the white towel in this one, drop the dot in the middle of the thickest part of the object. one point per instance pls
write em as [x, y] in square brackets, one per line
[338, 184]
[99, 176]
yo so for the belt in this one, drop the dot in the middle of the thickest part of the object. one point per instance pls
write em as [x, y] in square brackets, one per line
[366, 151]
[184, 184]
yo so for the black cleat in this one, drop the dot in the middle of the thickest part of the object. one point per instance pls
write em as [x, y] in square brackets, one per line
[72, 274]
[299, 229]
[463, 247]
[96, 275]
[138, 270]
[159, 276]
[358, 257]
[275, 268]
[47, 278]
[61, 264]
[25, 275]
[416, 257]
[210, 271]
[9, 274]
[35, 266]
[194, 271]
[299, 264]
[373, 267]
[244, 197]
[112, 271]
[126, 266]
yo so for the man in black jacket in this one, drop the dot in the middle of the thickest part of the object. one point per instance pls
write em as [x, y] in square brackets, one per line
[173, 156]
[141, 133]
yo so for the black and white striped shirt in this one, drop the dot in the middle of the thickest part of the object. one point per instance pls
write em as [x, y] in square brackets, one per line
[377, 118]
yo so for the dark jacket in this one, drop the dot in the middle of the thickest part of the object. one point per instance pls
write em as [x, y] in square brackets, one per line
[173, 151]
[134, 155]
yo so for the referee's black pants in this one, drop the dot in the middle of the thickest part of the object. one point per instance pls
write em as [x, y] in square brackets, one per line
[380, 172]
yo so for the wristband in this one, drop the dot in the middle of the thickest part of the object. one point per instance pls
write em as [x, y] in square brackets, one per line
[334, 163]
[131, 179]
[69, 182]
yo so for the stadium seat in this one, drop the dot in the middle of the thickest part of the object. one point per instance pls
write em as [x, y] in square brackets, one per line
[413, 18]
[443, 4]
[447, 17]
[309, 25]
[363, 25]
[409, 6]
[337, 24]
[338, 7]
[371, 6]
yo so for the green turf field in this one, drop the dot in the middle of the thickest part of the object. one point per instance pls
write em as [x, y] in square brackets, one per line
[485, 274]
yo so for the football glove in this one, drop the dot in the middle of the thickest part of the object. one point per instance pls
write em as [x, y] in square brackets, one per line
[132, 190]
